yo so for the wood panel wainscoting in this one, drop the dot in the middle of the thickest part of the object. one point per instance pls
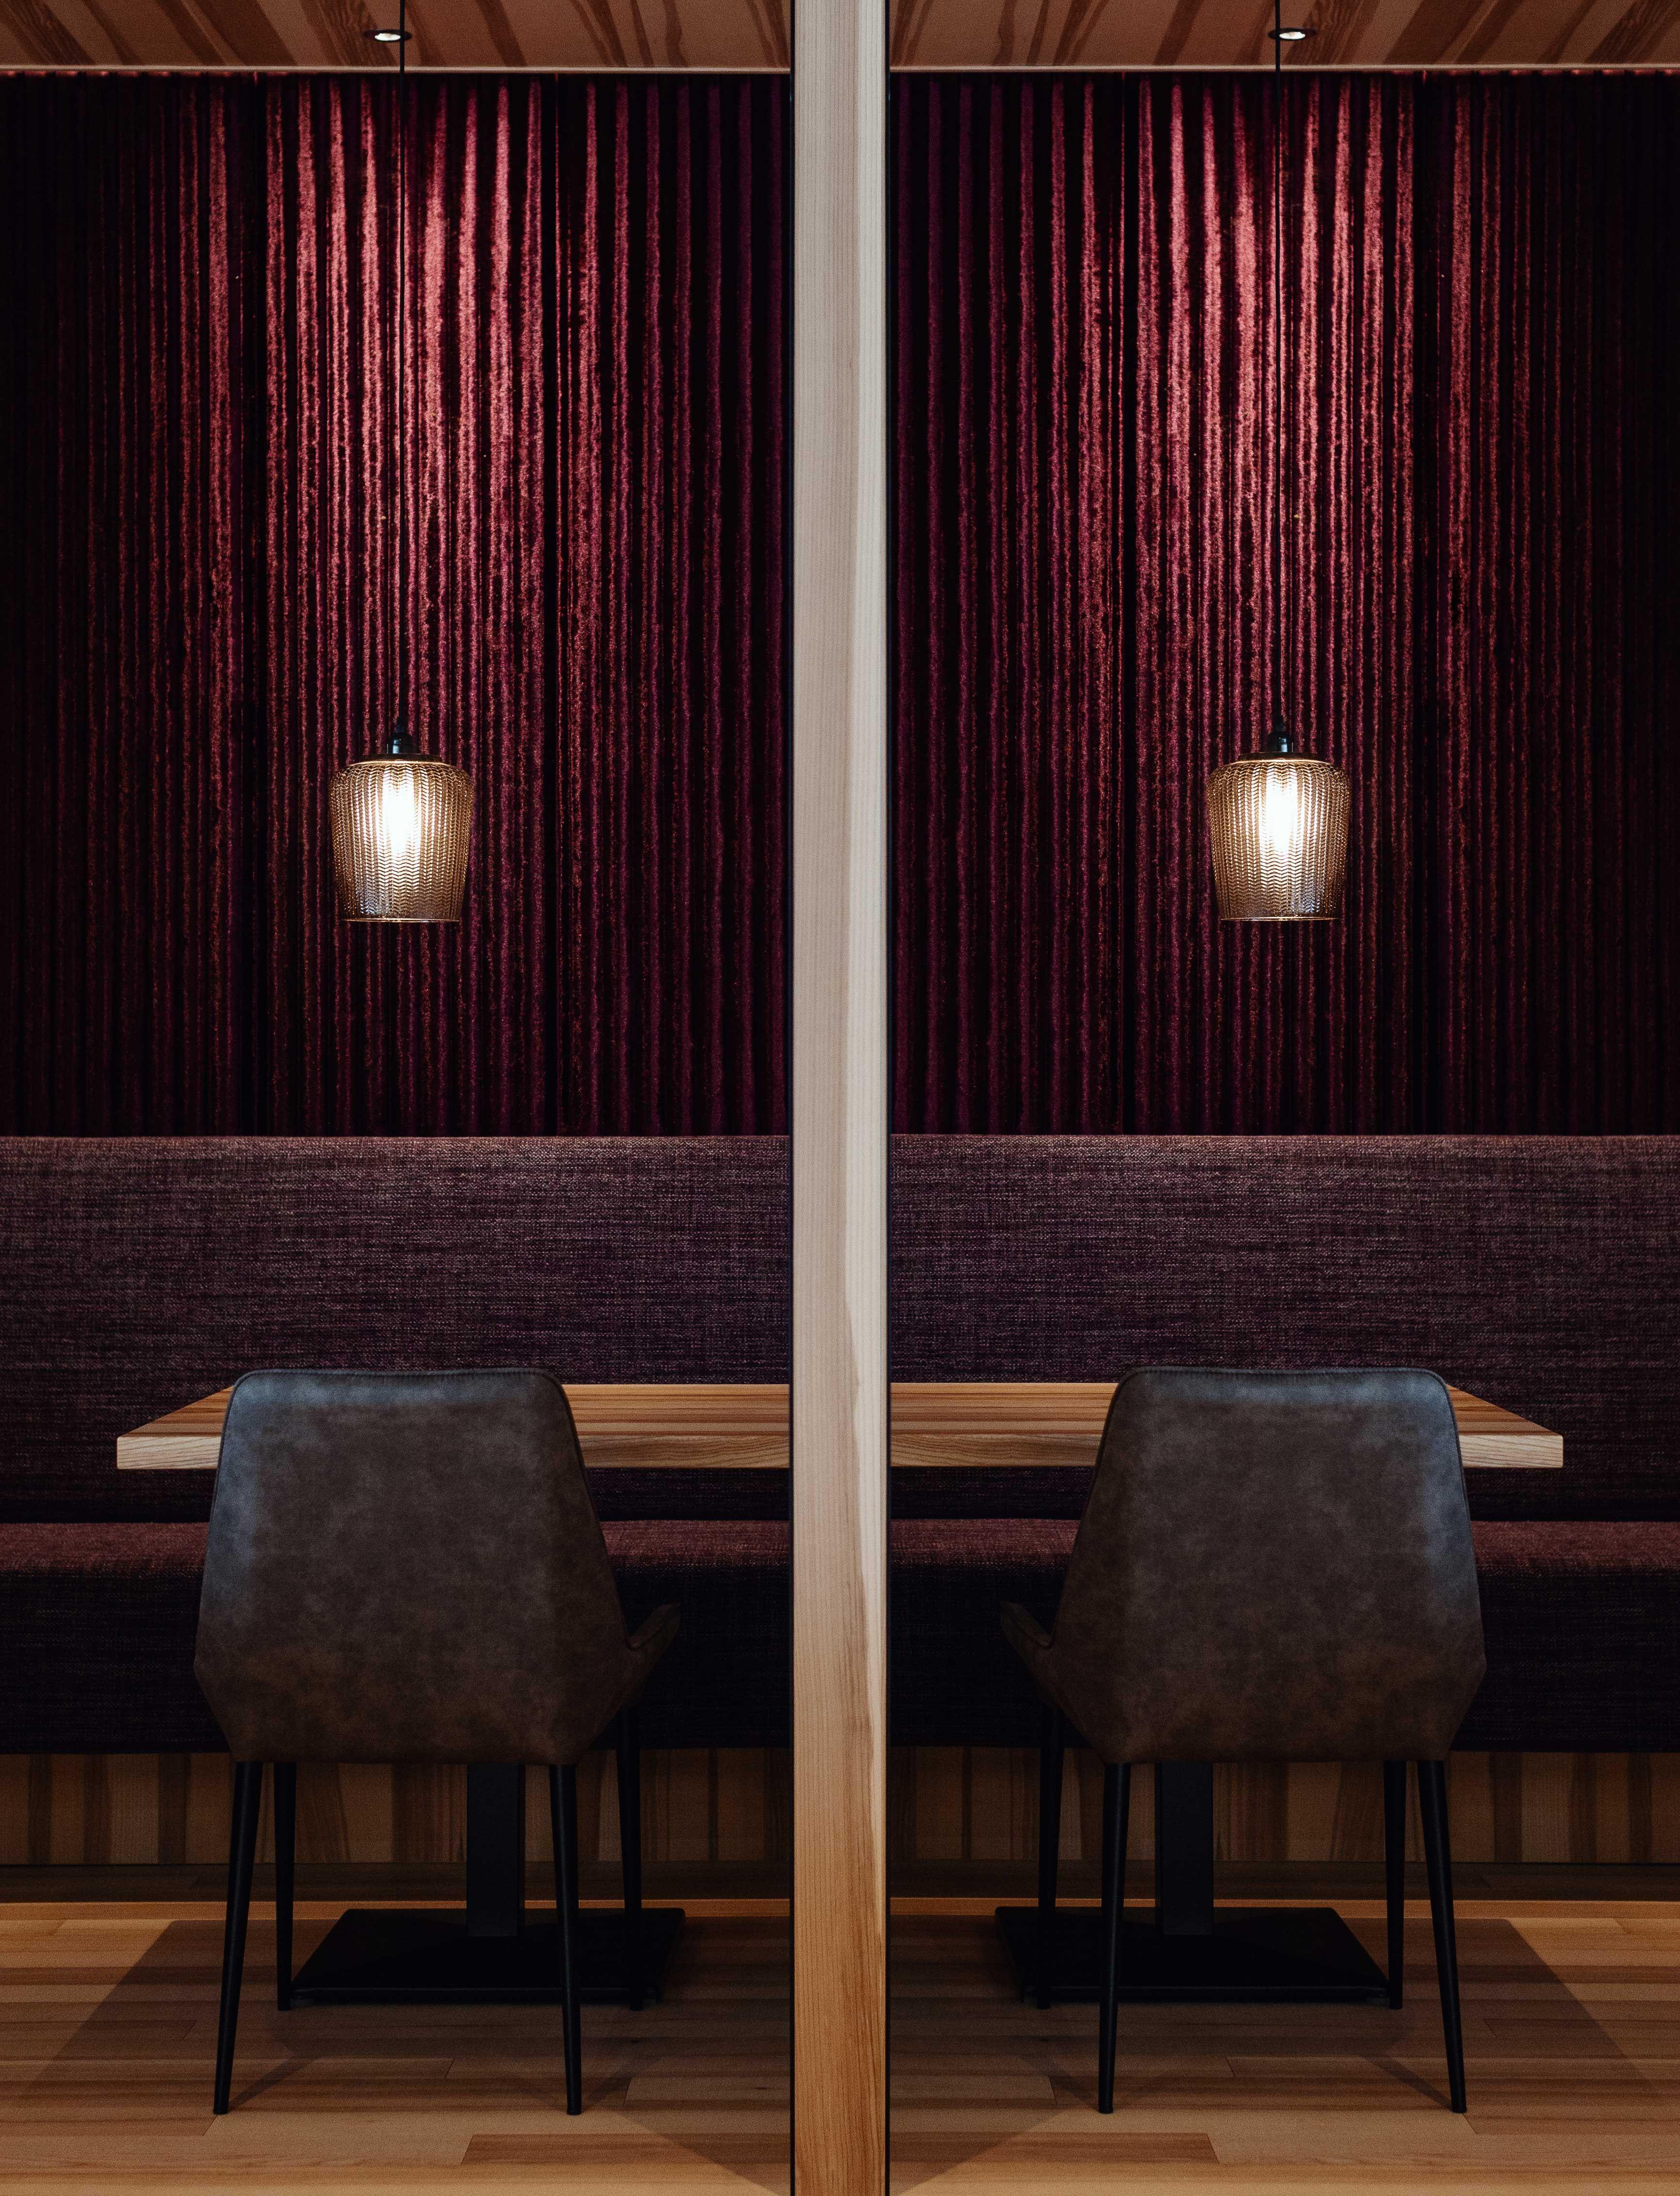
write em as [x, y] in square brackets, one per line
[955, 1813]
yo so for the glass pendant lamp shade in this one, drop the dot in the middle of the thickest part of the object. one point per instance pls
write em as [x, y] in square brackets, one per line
[1278, 824]
[400, 827]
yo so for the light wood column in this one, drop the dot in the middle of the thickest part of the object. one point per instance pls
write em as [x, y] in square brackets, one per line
[839, 1098]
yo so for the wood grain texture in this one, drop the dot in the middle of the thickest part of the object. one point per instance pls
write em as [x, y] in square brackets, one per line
[753, 34]
[677, 1427]
[699, 1808]
[966, 1808]
[109, 2032]
[1572, 2015]
[726, 1814]
[957, 1423]
[736, 35]
[950, 34]
[838, 1002]
[1060, 1423]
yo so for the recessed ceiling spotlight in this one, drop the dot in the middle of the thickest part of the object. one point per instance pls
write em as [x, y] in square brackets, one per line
[401, 38]
[1291, 37]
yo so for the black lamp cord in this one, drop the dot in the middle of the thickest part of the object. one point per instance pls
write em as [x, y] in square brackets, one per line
[1280, 741]
[1278, 605]
[397, 740]
[399, 397]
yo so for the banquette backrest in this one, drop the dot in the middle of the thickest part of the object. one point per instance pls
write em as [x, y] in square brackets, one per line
[1542, 1273]
[141, 1272]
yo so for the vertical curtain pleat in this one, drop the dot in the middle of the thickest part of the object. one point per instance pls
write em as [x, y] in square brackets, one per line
[1481, 285]
[196, 373]
[1479, 330]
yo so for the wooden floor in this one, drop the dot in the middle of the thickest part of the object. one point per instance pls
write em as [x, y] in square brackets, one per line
[108, 2018]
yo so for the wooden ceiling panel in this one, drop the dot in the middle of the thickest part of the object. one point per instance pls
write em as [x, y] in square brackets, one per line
[753, 34]
[1228, 33]
[486, 34]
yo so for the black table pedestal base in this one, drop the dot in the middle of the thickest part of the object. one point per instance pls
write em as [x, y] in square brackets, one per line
[1256, 1955]
[386, 1956]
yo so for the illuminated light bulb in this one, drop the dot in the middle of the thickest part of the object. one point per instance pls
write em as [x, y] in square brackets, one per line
[1281, 817]
[399, 823]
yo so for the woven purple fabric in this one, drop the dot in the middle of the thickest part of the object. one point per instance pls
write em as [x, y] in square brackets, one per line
[1540, 1272]
[140, 1273]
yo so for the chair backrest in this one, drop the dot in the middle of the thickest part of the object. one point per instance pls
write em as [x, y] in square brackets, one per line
[1272, 1566]
[405, 1567]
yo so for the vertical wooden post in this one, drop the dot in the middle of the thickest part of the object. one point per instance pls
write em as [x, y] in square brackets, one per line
[839, 1098]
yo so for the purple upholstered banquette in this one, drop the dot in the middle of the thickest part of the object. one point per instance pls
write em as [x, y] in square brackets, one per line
[141, 1272]
[1542, 1273]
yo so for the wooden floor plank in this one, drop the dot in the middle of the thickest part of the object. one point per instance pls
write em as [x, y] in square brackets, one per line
[107, 2022]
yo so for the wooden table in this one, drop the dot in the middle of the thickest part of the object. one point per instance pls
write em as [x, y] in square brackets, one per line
[942, 1424]
[952, 1423]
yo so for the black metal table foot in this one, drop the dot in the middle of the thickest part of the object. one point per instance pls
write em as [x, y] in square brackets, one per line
[1255, 1955]
[391, 1956]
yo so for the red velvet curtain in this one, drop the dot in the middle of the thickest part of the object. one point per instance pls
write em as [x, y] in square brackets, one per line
[196, 282]
[1482, 328]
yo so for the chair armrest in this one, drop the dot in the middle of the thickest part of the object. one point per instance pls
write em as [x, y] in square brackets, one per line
[653, 1637]
[1025, 1633]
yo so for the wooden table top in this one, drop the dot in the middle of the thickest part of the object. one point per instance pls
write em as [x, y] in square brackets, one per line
[938, 1423]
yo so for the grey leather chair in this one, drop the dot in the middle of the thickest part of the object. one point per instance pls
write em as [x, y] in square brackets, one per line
[407, 1567]
[1271, 1567]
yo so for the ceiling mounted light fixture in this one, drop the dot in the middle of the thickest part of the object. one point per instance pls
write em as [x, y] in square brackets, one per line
[1279, 819]
[401, 820]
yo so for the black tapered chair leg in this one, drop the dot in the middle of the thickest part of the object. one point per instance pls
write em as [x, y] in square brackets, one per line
[630, 1847]
[1051, 1748]
[1394, 1855]
[1117, 1804]
[241, 1865]
[286, 1855]
[563, 1813]
[1438, 1854]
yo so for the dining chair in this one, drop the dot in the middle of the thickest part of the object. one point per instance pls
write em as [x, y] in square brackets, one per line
[1271, 1567]
[407, 1567]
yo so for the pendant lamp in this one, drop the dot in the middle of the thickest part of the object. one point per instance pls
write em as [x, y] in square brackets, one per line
[1279, 819]
[400, 819]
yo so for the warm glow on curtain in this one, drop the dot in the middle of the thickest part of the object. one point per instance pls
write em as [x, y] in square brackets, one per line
[1482, 318]
[194, 293]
